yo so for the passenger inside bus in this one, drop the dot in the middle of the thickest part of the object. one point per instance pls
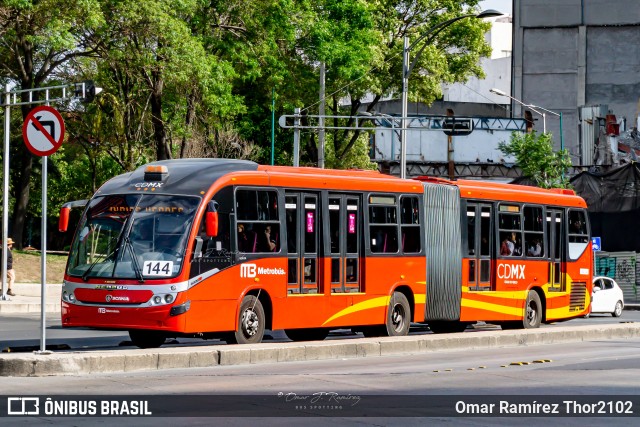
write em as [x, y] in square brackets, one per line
[247, 239]
[535, 249]
[517, 247]
[267, 242]
[507, 245]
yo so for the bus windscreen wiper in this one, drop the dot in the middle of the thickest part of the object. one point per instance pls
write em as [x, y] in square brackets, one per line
[85, 276]
[134, 259]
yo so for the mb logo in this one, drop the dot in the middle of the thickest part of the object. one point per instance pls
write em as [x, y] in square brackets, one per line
[248, 270]
[23, 406]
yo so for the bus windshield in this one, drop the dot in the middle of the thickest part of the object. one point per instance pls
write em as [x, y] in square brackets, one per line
[133, 236]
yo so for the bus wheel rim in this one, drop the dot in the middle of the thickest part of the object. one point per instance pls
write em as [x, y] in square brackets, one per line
[397, 317]
[250, 322]
[531, 313]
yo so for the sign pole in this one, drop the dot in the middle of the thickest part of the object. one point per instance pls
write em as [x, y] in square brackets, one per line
[43, 258]
[43, 134]
[5, 193]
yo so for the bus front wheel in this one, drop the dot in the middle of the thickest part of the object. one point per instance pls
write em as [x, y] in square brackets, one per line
[146, 339]
[251, 322]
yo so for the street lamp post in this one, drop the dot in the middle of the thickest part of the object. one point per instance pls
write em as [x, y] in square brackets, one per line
[536, 109]
[531, 107]
[429, 35]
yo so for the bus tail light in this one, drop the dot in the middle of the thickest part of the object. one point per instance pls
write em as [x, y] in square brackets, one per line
[180, 309]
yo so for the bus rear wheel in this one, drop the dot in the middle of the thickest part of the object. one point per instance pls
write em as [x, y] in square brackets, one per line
[398, 316]
[533, 311]
[146, 339]
[307, 334]
[532, 314]
[251, 323]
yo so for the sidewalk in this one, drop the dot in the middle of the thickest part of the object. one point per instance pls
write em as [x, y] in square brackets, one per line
[28, 299]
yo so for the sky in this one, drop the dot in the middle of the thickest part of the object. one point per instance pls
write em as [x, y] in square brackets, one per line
[503, 6]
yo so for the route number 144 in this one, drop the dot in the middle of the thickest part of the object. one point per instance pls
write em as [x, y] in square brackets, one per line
[157, 268]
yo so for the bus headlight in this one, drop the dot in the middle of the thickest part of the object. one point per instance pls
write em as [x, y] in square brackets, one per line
[71, 297]
[168, 298]
[157, 299]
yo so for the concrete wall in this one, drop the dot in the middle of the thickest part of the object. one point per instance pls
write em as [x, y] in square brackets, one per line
[613, 68]
[498, 75]
[572, 53]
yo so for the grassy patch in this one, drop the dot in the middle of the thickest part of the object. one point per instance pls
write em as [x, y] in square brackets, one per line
[27, 265]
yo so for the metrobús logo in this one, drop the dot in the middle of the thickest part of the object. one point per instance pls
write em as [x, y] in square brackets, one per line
[250, 270]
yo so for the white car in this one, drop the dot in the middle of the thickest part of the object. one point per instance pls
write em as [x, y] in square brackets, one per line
[607, 296]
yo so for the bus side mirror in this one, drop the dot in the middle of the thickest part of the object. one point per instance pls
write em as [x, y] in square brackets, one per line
[211, 224]
[63, 221]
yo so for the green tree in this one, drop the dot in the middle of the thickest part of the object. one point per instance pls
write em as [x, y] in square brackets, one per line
[39, 39]
[536, 157]
[452, 55]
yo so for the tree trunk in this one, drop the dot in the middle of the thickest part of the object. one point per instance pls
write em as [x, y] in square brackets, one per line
[188, 121]
[159, 131]
[25, 162]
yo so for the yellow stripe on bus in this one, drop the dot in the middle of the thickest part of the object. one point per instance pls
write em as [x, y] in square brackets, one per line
[364, 305]
[371, 303]
[514, 311]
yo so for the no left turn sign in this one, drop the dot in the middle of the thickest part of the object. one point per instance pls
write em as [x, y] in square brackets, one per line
[43, 131]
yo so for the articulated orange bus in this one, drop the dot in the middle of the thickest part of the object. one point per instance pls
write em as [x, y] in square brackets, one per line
[506, 254]
[218, 248]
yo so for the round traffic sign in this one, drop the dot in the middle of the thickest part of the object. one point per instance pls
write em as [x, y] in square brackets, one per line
[43, 131]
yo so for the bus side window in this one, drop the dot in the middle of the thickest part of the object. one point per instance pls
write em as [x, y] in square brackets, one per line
[533, 231]
[578, 233]
[410, 224]
[383, 223]
[258, 226]
[215, 252]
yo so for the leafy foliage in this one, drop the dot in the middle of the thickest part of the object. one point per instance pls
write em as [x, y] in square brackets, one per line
[198, 78]
[535, 155]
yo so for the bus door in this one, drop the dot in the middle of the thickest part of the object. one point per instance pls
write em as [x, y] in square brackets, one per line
[479, 246]
[303, 231]
[555, 234]
[343, 249]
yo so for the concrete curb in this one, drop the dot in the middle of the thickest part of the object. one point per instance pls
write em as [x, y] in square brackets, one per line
[28, 299]
[89, 362]
[22, 307]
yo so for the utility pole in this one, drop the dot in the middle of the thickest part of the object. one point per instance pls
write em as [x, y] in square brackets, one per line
[296, 138]
[321, 118]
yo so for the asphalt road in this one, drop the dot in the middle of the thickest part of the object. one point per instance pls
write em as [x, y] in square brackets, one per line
[607, 370]
[22, 333]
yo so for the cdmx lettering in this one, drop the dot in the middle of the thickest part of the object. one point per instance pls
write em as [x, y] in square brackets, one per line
[511, 271]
